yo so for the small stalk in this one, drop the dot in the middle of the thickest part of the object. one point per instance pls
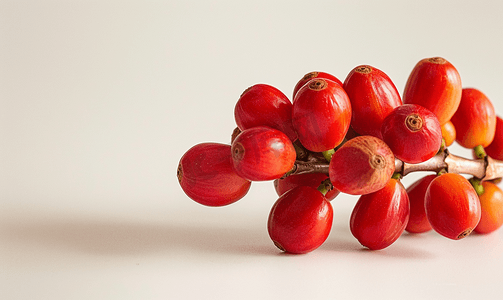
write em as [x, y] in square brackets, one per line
[480, 152]
[397, 176]
[476, 183]
[325, 186]
[328, 154]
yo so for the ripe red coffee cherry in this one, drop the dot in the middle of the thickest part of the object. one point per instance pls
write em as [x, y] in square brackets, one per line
[418, 222]
[373, 96]
[362, 165]
[435, 84]
[448, 133]
[452, 206]
[313, 75]
[313, 180]
[495, 149]
[206, 175]
[300, 220]
[491, 202]
[412, 132]
[321, 114]
[475, 119]
[265, 105]
[379, 218]
[262, 153]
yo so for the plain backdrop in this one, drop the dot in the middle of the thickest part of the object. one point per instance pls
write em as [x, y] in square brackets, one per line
[100, 99]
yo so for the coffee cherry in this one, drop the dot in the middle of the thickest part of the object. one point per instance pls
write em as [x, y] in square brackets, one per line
[300, 220]
[313, 75]
[412, 132]
[321, 114]
[313, 180]
[362, 165]
[448, 133]
[475, 119]
[418, 222]
[452, 206]
[491, 203]
[373, 96]
[379, 218]
[495, 149]
[265, 105]
[206, 175]
[435, 84]
[262, 153]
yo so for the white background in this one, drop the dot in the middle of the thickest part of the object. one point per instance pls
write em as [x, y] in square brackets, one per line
[100, 99]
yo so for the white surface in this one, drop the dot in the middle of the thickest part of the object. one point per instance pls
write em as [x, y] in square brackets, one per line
[100, 99]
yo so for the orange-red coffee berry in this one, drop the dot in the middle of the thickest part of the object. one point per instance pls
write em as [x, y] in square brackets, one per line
[206, 175]
[491, 202]
[300, 220]
[475, 119]
[452, 206]
[373, 97]
[379, 218]
[435, 84]
[362, 165]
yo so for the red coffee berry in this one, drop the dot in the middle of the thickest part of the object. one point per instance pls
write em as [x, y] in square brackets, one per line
[300, 220]
[262, 153]
[435, 84]
[418, 222]
[491, 203]
[321, 114]
[373, 96]
[379, 218]
[313, 75]
[475, 119]
[313, 180]
[448, 133]
[452, 206]
[362, 165]
[265, 105]
[412, 132]
[495, 149]
[206, 175]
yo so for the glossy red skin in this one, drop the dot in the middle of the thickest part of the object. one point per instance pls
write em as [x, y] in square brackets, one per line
[312, 75]
[300, 220]
[495, 149]
[351, 171]
[262, 153]
[321, 117]
[407, 145]
[491, 203]
[265, 105]
[435, 84]
[373, 96]
[206, 175]
[452, 206]
[379, 218]
[418, 222]
[448, 133]
[309, 179]
[475, 119]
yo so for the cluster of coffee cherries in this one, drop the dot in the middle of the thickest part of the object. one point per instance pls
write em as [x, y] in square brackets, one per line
[347, 137]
